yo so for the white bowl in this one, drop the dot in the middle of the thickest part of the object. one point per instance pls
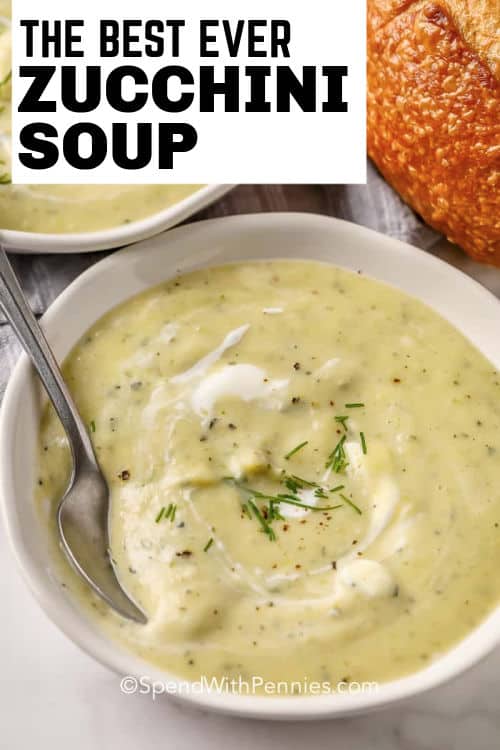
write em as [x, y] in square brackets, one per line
[124, 234]
[457, 297]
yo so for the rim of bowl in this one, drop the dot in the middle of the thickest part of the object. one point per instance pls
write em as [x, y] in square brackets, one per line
[78, 627]
[124, 234]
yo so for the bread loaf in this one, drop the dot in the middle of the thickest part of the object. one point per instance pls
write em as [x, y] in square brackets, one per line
[434, 113]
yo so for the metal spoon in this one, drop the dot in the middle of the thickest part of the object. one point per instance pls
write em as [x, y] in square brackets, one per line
[82, 515]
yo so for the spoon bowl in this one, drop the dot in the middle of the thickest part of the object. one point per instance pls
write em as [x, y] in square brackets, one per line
[82, 519]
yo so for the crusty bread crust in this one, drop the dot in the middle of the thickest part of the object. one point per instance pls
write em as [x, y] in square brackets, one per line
[478, 21]
[434, 113]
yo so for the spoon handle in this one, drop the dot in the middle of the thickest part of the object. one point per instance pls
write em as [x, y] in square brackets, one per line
[30, 335]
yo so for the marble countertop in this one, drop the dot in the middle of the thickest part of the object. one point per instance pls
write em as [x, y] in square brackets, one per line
[54, 696]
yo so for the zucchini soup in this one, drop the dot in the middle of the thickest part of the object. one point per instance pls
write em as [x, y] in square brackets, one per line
[303, 468]
[66, 208]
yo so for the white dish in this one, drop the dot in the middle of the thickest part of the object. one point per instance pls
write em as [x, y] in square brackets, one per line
[105, 239]
[458, 298]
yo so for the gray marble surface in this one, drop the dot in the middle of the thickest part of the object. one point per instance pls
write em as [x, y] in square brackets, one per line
[53, 696]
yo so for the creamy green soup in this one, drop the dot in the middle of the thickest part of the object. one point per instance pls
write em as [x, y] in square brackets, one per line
[67, 208]
[304, 473]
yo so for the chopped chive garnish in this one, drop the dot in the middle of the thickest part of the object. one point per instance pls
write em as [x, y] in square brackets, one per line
[305, 482]
[337, 458]
[272, 512]
[337, 488]
[296, 449]
[342, 421]
[92, 426]
[363, 442]
[353, 406]
[294, 483]
[160, 515]
[264, 524]
[293, 500]
[320, 492]
[170, 514]
[208, 544]
[350, 502]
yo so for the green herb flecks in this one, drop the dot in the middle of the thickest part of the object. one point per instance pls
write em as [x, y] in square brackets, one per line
[294, 500]
[160, 515]
[320, 492]
[92, 426]
[350, 502]
[337, 459]
[294, 483]
[266, 528]
[296, 450]
[167, 514]
[343, 421]
[354, 406]
[271, 512]
[170, 514]
[208, 544]
[363, 443]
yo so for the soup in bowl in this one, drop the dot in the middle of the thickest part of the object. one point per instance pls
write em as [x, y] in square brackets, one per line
[48, 218]
[300, 442]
